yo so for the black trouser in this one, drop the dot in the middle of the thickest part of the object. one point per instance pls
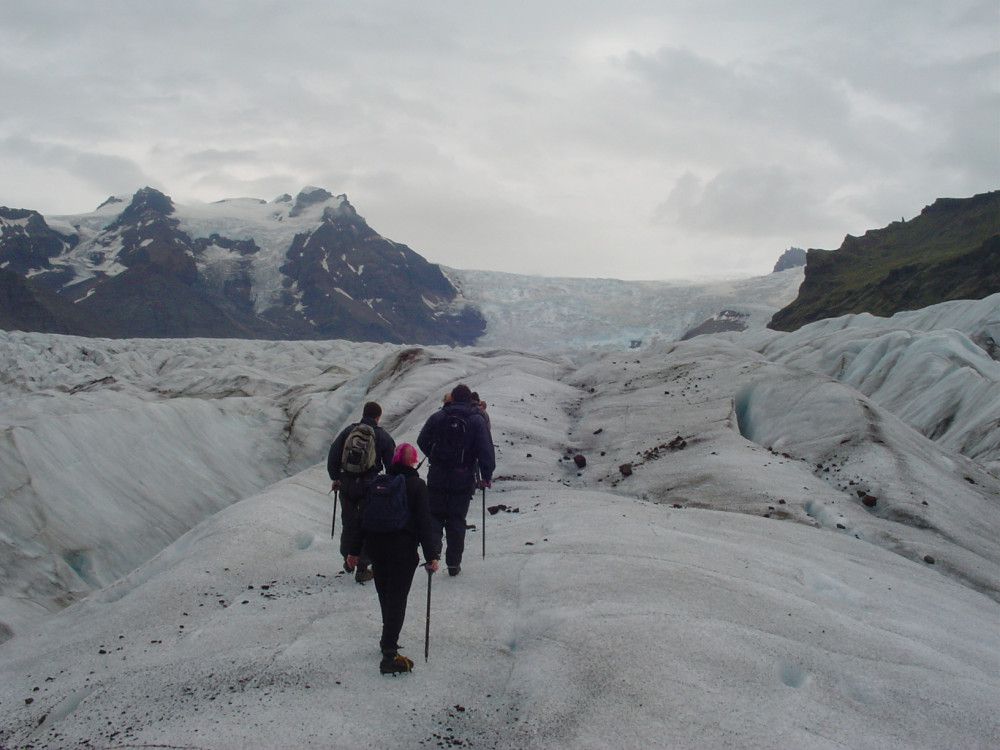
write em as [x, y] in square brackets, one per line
[394, 561]
[352, 492]
[448, 512]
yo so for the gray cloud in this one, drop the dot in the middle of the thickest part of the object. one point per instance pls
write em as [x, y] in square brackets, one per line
[556, 138]
[94, 174]
[757, 201]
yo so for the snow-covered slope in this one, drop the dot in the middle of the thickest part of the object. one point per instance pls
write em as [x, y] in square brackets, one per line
[272, 225]
[596, 621]
[110, 450]
[755, 555]
[934, 368]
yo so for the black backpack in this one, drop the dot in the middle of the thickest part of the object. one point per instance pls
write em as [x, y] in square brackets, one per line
[452, 438]
[385, 507]
[359, 449]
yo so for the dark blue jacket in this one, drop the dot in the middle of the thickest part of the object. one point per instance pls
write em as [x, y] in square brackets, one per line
[418, 525]
[461, 478]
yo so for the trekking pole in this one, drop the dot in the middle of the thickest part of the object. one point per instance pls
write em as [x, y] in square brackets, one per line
[479, 481]
[333, 526]
[427, 622]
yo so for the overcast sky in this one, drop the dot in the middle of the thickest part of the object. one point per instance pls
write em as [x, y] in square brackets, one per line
[637, 140]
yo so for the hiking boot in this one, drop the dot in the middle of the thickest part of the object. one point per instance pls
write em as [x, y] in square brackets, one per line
[395, 664]
[363, 574]
[454, 570]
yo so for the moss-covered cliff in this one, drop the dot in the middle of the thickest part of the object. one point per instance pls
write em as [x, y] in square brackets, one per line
[950, 251]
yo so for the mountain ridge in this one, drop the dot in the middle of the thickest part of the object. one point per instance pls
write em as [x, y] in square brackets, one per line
[302, 268]
[951, 250]
[309, 267]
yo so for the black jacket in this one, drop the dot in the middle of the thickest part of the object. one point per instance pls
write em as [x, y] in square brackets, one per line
[418, 525]
[385, 446]
[480, 449]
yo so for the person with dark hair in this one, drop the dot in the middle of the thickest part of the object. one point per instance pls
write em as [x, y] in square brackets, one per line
[357, 455]
[394, 556]
[457, 441]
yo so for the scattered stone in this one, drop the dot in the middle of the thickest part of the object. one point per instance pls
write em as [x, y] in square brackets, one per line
[868, 501]
[599, 430]
[928, 559]
[677, 444]
[626, 470]
[580, 460]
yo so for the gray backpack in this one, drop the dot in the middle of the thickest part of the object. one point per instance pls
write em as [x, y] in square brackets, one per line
[359, 450]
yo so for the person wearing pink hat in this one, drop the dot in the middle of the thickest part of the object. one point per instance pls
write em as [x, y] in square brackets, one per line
[394, 557]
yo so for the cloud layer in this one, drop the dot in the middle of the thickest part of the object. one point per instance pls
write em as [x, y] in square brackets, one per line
[558, 139]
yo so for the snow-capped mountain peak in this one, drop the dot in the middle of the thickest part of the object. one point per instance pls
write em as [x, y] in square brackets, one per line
[245, 268]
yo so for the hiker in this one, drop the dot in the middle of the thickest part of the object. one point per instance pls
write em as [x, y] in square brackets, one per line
[394, 555]
[455, 438]
[356, 457]
[481, 405]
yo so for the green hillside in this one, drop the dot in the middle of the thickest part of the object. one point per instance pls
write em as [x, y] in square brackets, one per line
[950, 251]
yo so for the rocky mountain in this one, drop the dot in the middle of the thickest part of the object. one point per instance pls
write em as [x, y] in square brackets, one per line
[310, 267]
[793, 257]
[302, 268]
[26, 306]
[950, 251]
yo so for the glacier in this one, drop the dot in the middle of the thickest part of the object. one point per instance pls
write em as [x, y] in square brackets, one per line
[800, 553]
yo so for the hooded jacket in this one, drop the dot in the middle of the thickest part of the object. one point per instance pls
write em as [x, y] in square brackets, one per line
[480, 450]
